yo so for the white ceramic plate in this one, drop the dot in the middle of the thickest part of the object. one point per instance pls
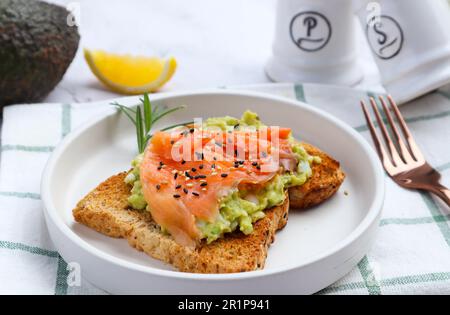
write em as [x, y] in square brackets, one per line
[316, 248]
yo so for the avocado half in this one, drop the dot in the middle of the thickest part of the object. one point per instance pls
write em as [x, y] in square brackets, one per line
[36, 47]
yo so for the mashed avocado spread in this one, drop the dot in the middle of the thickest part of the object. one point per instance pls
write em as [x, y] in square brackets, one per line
[241, 208]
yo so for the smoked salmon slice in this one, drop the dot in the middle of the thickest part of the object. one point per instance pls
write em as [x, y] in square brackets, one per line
[185, 174]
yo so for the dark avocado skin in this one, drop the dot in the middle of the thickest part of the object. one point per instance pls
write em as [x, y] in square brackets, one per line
[36, 48]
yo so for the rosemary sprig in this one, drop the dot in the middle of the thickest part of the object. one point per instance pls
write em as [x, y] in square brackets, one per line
[144, 117]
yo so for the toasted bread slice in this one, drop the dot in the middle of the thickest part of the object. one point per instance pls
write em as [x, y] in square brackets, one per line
[326, 179]
[106, 210]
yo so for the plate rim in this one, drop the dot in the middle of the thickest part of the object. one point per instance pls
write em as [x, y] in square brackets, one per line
[369, 219]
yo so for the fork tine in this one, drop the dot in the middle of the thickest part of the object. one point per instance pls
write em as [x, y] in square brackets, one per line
[379, 147]
[417, 154]
[392, 149]
[405, 154]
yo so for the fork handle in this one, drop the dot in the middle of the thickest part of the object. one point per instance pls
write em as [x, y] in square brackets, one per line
[442, 192]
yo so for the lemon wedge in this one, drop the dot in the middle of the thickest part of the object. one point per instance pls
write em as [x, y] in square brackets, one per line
[128, 74]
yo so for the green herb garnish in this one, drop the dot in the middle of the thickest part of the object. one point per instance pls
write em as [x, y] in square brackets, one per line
[145, 116]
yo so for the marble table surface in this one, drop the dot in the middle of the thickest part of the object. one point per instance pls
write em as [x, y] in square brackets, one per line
[216, 43]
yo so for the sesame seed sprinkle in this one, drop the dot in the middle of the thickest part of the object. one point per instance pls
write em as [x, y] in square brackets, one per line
[195, 193]
[224, 175]
[176, 196]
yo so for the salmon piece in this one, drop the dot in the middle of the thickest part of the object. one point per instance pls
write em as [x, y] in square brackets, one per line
[185, 174]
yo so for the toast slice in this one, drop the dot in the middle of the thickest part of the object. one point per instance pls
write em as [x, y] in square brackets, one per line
[106, 210]
[326, 179]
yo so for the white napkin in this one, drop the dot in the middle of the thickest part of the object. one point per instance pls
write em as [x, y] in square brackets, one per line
[411, 254]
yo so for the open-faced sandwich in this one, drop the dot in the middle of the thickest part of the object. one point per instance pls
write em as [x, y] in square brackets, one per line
[208, 197]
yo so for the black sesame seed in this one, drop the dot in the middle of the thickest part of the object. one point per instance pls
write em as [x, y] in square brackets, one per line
[161, 163]
[214, 158]
[194, 169]
[159, 168]
[255, 164]
[158, 187]
[175, 176]
[236, 126]
[224, 175]
[187, 174]
[258, 167]
[195, 194]
[203, 184]
[241, 162]
[172, 141]
[202, 176]
[191, 130]
[176, 196]
[185, 191]
[200, 166]
[178, 186]
[183, 162]
[213, 166]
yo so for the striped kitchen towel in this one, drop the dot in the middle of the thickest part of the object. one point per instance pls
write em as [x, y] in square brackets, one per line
[411, 254]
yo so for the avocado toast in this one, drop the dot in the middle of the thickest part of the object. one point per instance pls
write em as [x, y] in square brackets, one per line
[209, 213]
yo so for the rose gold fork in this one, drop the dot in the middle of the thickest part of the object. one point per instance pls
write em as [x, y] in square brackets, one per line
[403, 162]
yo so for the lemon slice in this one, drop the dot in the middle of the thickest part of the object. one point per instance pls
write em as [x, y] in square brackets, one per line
[128, 74]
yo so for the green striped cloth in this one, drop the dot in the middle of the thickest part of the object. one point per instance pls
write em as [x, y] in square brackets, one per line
[411, 254]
